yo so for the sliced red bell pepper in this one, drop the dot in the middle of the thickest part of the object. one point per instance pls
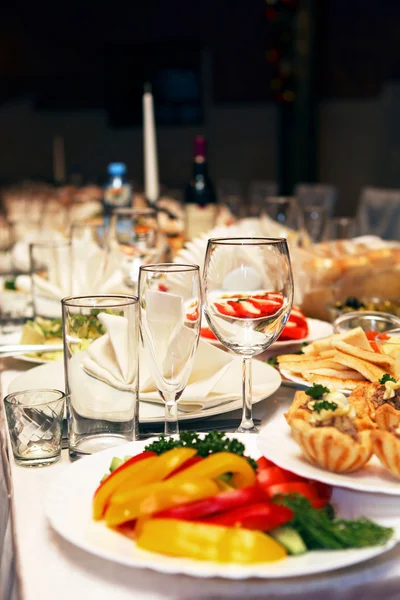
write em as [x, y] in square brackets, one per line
[306, 489]
[262, 516]
[225, 309]
[216, 504]
[274, 475]
[264, 463]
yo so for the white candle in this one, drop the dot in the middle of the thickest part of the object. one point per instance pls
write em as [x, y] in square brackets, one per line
[151, 185]
[58, 159]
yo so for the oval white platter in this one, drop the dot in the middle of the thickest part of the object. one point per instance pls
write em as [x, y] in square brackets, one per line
[68, 506]
[276, 443]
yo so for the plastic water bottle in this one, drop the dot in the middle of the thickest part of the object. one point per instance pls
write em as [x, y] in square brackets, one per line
[117, 191]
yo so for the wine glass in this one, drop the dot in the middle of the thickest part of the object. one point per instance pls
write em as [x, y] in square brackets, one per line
[170, 319]
[248, 296]
[133, 241]
[286, 212]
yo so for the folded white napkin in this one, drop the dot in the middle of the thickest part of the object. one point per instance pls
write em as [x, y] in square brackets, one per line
[216, 376]
[103, 380]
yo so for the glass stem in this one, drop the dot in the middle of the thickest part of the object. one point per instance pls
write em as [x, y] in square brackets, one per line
[171, 415]
[247, 424]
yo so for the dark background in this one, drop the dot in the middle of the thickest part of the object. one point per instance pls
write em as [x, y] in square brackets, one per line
[78, 70]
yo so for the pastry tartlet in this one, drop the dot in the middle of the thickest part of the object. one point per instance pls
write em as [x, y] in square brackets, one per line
[382, 402]
[386, 446]
[330, 437]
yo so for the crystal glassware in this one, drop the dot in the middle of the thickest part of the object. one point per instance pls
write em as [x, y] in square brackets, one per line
[34, 420]
[101, 355]
[133, 241]
[51, 276]
[340, 228]
[315, 218]
[248, 296]
[170, 320]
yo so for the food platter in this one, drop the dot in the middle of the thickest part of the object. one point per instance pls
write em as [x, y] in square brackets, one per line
[276, 443]
[68, 506]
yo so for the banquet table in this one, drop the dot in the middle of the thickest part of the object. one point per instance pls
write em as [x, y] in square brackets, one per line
[36, 563]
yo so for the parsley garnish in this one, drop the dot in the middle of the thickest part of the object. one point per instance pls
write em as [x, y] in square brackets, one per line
[324, 405]
[273, 361]
[317, 391]
[386, 377]
[213, 442]
[320, 530]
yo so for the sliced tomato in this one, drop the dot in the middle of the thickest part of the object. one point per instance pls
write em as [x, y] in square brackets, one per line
[294, 331]
[244, 309]
[266, 307]
[191, 461]
[216, 504]
[324, 490]
[225, 309]
[262, 516]
[306, 489]
[273, 475]
[193, 316]
[162, 287]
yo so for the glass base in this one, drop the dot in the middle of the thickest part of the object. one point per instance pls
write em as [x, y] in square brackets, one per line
[37, 462]
[95, 443]
[247, 427]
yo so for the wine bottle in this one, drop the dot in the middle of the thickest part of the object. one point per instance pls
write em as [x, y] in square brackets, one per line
[200, 197]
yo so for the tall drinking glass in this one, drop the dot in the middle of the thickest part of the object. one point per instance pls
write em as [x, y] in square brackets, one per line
[248, 296]
[133, 241]
[170, 319]
[101, 371]
[51, 276]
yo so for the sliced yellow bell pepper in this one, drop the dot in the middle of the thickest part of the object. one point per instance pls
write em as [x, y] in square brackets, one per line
[208, 542]
[128, 477]
[217, 464]
[149, 499]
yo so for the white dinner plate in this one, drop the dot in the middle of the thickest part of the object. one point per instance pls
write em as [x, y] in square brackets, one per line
[51, 375]
[302, 383]
[316, 329]
[68, 506]
[276, 443]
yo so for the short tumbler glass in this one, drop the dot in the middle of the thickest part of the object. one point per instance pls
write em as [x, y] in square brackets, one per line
[101, 371]
[35, 420]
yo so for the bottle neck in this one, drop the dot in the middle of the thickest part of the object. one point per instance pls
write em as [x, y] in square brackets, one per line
[200, 166]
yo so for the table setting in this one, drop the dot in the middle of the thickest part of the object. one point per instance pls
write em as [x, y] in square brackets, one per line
[137, 365]
[215, 417]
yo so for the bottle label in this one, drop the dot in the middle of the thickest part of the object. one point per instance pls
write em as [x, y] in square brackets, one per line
[118, 196]
[199, 219]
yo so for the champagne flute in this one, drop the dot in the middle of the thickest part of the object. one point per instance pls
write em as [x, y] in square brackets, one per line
[248, 296]
[170, 319]
[133, 241]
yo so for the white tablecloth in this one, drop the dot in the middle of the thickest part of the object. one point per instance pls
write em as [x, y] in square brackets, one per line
[49, 567]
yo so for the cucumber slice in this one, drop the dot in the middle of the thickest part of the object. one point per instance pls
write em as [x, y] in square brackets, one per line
[290, 539]
[115, 463]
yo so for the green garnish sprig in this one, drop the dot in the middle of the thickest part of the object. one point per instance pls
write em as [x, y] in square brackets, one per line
[320, 405]
[213, 442]
[317, 391]
[320, 530]
[386, 377]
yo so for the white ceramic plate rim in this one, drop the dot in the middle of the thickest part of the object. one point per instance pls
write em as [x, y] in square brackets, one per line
[306, 384]
[276, 443]
[38, 376]
[68, 508]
